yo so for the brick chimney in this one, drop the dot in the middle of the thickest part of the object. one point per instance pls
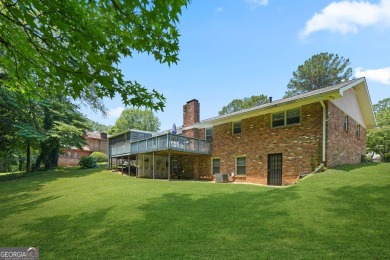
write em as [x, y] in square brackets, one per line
[103, 136]
[191, 115]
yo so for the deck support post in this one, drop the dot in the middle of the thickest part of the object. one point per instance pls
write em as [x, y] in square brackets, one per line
[128, 165]
[169, 165]
[153, 166]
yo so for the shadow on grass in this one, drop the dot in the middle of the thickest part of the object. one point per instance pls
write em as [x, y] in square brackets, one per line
[229, 223]
[352, 167]
[32, 182]
[172, 226]
[357, 221]
[20, 194]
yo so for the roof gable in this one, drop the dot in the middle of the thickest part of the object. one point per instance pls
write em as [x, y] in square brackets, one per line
[327, 93]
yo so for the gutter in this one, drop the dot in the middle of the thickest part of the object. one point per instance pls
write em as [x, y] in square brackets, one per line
[323, 132]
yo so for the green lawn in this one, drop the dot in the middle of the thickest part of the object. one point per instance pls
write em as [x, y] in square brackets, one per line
[95, 214]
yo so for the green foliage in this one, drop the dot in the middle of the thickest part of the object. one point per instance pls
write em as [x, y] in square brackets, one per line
[73, 47]
[382, 112]
[378, 140]
[386, 157]
[100, 157]
[87, 162]
[135, 118]
[240, 104]
[41, 126]
[321, 70]
[98, 127]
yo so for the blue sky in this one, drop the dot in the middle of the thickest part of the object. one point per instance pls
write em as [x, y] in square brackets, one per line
[239, 48]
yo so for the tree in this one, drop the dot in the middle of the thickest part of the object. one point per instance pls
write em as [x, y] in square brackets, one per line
[72, 48]
[321, 70]
[382, 112]
[240, 104]
[135, 118]
[98, 127]
[40, 125]
[378, 140]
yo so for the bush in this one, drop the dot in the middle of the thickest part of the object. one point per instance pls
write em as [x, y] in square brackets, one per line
[100, 157]
[386, 157]
[88, 162]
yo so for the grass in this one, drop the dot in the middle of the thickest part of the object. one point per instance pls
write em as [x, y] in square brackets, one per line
[94, 214]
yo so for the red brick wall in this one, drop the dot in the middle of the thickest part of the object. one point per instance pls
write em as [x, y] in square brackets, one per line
[343, 147]
[191, 115]
[66, 161]
[300, 145]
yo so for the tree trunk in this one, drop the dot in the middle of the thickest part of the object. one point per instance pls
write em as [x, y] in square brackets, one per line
[28, 157]
[20, 159]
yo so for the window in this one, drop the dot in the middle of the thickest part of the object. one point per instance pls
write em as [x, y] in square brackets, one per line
[216, 166]
[288, 117]
[346, 122]
[278, 119]
[75, 156]
[358, 131]
[209, 134]
[69, 155]
[237, 128]
[241, 165]
[293, 116]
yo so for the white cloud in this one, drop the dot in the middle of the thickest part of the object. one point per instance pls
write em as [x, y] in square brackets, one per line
[379, 75]
[257, 3]
[115, 112]
[348, 17]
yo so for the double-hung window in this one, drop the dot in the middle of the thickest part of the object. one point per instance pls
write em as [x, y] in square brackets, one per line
[346, 122]
[216, 166]
[241, 166]
[209, 134]
[237, 128]
[358, 129]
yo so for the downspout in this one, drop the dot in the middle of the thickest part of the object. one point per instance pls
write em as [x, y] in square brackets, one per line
[323, 132]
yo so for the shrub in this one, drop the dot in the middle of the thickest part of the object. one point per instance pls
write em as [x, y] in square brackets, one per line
[100, 157]
[88, 162]
[386, 157]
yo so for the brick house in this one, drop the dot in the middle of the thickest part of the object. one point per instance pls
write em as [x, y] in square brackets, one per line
[269, 144]
[96, 142]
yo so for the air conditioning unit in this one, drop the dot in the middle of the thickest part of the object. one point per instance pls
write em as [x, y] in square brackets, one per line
[221, 177]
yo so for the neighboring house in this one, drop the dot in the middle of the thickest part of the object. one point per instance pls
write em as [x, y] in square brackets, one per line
[272, 144]
[96, 142]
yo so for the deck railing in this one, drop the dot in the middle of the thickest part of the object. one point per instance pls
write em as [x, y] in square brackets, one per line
[161, 143]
